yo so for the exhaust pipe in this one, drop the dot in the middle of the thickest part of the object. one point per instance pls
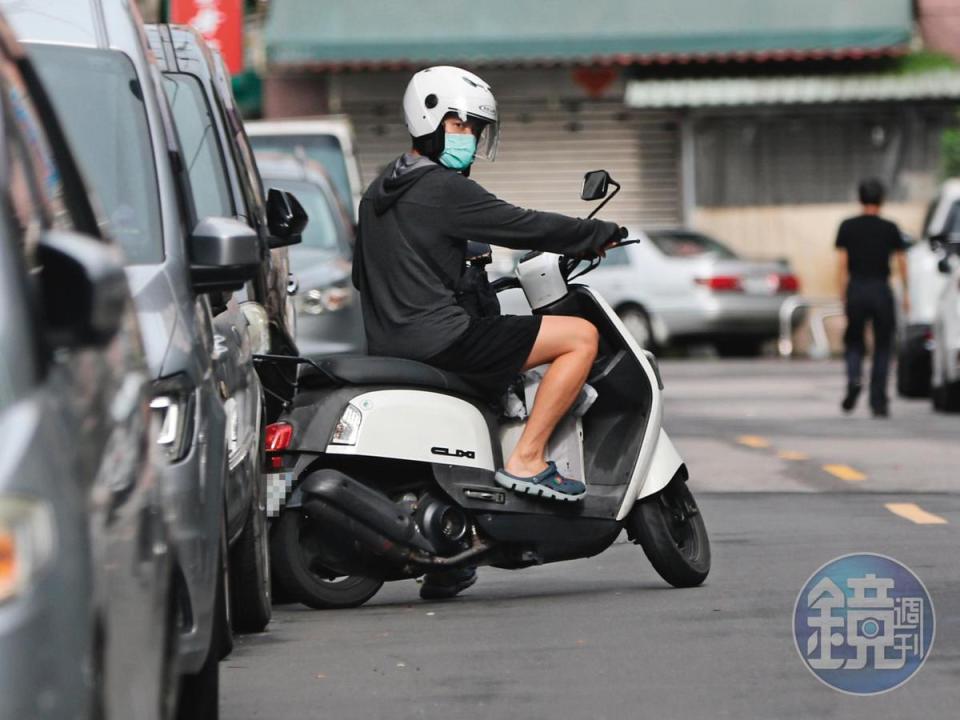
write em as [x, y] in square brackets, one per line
[372, 521]
[355, 507]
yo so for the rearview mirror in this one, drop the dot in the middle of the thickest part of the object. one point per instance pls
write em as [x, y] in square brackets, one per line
[224, 254]
[84, 289]
[286, 218]
[595, 184]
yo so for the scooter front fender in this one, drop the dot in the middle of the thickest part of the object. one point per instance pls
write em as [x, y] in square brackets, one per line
[664, 464]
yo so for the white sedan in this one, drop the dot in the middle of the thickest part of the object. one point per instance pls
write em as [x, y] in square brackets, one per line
[680, 286]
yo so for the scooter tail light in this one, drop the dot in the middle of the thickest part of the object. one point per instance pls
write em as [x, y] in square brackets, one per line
[721, 283]
[278, 436]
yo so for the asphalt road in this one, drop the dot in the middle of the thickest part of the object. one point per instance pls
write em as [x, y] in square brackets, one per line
[785, 485]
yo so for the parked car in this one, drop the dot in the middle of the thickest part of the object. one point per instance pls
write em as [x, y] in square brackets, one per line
[222, 185]
[87, 609]
[925, 286]
[328, 140]
[945, 370]
[328, 306]
[107, 93]
[679, 286]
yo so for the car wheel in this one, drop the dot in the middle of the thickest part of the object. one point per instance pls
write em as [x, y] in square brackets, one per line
[200, 692]
[946, 397]
[637, 322]
[250, 574]
[199, 697]
[168, 669]
[250, 565]
[913, 374]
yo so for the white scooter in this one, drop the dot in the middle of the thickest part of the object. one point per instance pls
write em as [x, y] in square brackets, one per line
[383, 468]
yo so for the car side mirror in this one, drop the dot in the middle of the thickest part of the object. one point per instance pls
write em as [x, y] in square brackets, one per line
[224, 254]
[595, 185]
[943, 265]
[286, 218]
[84, 289]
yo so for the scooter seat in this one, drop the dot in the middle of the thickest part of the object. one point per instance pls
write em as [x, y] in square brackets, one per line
[378, 370]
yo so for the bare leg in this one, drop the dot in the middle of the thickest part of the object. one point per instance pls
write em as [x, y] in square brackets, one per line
[570, 344]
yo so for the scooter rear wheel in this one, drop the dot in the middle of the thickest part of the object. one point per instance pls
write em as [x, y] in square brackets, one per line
[293, 557]
[670, 529]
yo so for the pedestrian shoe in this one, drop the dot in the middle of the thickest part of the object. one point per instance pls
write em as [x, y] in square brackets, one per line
[853, 392]
[548, 483]
[447, 583]
[880, 411]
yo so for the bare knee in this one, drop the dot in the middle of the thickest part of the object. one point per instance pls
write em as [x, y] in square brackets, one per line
[587, 339]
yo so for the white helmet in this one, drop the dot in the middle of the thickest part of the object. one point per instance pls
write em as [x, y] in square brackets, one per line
[433, 93]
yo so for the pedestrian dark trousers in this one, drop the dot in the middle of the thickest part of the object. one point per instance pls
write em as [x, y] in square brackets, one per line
[869, 301]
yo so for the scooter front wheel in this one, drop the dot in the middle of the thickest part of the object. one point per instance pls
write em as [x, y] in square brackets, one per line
[293, 558]
[670, 529]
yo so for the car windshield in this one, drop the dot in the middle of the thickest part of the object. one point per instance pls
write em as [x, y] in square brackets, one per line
[684, 244]
[322, 228]
[324, 149]
[201, 150]
[100, 104]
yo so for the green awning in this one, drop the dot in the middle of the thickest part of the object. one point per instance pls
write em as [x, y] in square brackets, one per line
[347, 33]
[793, 90]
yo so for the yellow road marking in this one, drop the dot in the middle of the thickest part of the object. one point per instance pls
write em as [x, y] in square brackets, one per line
[845, 472]
[792, 455]
[753, 441]
[915, 513]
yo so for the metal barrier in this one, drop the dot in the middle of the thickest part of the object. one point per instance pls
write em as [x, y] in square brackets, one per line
[820, 310]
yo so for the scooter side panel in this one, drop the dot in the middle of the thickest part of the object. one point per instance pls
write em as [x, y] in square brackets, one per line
[663, 468]
[420, 426]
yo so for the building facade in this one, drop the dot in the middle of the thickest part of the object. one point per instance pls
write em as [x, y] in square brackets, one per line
[752, 120]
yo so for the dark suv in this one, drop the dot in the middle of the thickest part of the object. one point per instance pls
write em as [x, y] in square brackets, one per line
[87, 608]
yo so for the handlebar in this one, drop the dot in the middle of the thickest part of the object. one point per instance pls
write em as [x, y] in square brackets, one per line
[504, 283]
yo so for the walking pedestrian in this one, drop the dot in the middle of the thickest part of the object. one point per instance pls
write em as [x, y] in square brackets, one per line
[865, 244]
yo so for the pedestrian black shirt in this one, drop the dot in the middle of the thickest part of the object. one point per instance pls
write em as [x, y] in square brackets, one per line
[869, 241]
[418, 208]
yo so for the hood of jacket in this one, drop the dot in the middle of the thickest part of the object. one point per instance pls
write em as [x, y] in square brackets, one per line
[402, 175]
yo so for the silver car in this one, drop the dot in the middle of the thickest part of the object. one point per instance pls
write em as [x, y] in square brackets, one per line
[87, 608]
[680, 286]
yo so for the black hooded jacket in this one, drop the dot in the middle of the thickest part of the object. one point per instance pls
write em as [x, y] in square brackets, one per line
[417, 207]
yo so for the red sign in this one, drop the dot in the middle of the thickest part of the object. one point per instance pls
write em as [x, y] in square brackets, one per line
[219, 21]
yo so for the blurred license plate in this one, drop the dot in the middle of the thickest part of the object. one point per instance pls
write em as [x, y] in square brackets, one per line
[760, 285]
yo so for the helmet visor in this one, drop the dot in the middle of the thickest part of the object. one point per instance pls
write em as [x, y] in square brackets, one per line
[488, 140]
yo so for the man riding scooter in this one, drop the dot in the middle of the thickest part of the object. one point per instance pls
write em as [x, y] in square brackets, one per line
[415, 221]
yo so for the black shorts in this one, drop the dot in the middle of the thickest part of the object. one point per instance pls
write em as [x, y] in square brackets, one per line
[491, 353]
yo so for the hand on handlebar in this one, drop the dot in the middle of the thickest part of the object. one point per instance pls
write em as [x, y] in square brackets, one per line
[621, 233]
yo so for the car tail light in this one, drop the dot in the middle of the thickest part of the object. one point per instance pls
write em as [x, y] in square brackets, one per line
[721, 283]
[278, 436]
[788, 283]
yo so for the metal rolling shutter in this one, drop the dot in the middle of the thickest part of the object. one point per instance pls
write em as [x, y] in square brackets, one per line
[544, 152]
